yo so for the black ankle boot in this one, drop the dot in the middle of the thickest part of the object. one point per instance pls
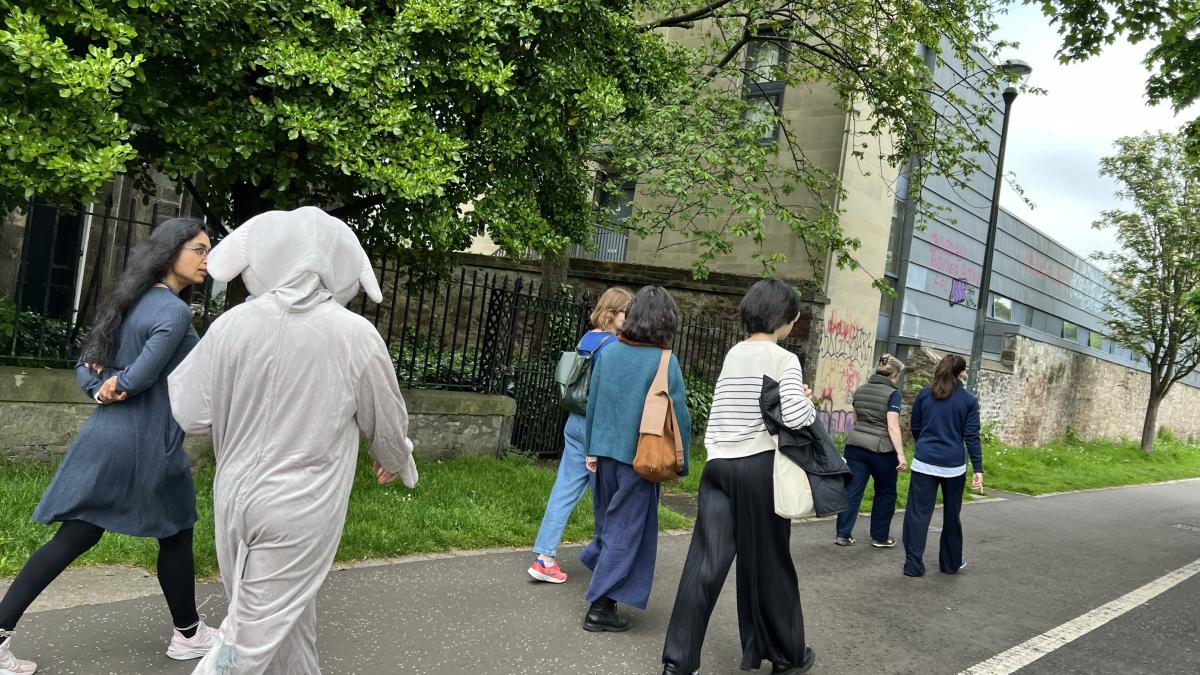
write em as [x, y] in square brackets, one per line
[602, 616]
[672, 669]
[788, 669]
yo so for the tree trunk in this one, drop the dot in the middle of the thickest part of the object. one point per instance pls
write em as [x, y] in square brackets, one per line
[554, 274]
[1150, 426]
[247, 203]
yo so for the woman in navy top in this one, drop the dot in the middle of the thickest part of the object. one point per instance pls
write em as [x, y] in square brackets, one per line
[573, 477]
[945, 425]
[127, 470]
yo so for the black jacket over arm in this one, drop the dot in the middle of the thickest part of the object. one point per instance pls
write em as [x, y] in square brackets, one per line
[811, 448]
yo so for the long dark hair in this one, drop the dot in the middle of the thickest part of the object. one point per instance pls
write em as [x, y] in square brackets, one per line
[652, 317]
[945, 375]
[149, 263]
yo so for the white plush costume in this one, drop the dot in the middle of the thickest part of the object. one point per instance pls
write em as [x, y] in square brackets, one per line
[285, 383]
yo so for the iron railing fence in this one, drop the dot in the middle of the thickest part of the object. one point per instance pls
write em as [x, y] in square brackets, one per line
[69, 261]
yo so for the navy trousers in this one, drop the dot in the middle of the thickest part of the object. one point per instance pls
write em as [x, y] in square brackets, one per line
[866, 465]
[737, 520]
[922, 495]
[624, 544]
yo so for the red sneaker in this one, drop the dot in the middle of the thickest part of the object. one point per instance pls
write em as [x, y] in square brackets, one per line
[553, 574]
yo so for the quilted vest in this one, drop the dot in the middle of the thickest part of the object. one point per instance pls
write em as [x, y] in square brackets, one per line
[870, 430]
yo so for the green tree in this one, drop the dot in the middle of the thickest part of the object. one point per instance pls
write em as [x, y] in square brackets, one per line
[1087, 26]
[1157, 270]
[393, 113]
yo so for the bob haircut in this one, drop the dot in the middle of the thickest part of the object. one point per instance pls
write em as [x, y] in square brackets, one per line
[652, 317]
[611, 303]
[769, 305]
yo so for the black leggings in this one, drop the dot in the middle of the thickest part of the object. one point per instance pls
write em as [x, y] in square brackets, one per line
[176, 572]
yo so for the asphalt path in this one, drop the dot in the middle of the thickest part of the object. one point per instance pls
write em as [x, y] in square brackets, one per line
[1033, 564]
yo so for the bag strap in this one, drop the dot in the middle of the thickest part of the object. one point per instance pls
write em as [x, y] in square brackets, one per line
[660, 378]
[592, 352]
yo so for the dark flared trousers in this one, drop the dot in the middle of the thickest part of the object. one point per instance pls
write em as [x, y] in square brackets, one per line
[624, 544]
[737, 519]
[922, 495]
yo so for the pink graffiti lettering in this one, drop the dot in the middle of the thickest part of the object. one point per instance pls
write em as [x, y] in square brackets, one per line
[953, 266]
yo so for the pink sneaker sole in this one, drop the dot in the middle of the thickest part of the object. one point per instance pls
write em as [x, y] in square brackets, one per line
[540, 576]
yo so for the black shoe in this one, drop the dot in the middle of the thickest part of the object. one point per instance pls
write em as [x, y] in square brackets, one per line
[602, 616]
[883, 543]
[809, 658]
[844, 541]
[672, 669]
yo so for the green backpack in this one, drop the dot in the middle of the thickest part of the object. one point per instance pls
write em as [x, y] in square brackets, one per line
[573, 374]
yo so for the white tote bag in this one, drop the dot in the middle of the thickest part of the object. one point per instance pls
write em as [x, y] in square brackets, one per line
[793, 494]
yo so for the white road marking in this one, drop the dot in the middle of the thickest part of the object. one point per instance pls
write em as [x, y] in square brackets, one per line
[1035, 648]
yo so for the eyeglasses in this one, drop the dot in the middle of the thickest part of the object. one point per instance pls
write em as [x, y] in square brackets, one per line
[198, 250]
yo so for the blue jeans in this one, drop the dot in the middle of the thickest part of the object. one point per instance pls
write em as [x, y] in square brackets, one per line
[865, 465]
[573, 478]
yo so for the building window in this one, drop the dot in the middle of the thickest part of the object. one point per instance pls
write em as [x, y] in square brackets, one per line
[1096, 341]
[1002, 309]
[763, 85]
[610, 243]
[1070, 332]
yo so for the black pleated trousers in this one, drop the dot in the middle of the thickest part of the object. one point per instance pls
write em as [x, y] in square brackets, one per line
[737, 519]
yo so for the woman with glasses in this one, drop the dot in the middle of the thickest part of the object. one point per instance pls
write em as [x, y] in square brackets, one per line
[127, 470]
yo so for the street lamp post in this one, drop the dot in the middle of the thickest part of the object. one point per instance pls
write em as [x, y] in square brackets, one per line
[1020, 69]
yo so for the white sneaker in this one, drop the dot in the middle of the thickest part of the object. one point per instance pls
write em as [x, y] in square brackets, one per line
[184, 649]
[11, 665]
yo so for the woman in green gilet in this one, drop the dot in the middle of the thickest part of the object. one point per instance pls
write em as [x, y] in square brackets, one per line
[875, 450]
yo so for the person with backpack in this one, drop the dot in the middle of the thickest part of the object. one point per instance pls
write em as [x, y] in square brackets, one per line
[573, 476]
[624, 543]
[875, 450]
[945, 425]
[737, 502]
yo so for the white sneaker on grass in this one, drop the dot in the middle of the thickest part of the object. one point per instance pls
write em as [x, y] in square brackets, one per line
[11, 665]
[184, 649]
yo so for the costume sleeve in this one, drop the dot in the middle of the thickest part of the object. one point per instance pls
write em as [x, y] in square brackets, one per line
[683, 417]
[171, 325]
[190, 385]
[796, 409]
[382, 415]
[971, 436]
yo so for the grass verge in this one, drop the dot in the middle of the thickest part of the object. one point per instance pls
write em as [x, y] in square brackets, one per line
[1064, 465]
[465, 503]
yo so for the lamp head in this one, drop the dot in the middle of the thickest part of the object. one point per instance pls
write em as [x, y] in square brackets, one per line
[1016, 67]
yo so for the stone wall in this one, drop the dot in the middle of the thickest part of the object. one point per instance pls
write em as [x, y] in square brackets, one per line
[1038, 390]
[41, 410]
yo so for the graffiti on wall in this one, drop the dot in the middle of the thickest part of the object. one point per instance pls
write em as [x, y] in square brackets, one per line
[847, 346]
[963, 293]
[947, 257]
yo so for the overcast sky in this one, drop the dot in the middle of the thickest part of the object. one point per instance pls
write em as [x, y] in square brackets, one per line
[1055, 141]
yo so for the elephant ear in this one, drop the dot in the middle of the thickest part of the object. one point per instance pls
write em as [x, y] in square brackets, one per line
[228, 257]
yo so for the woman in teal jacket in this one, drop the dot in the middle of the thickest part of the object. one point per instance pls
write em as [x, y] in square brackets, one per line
[624, 545]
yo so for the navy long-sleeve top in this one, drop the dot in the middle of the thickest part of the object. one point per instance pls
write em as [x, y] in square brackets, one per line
[947, 430]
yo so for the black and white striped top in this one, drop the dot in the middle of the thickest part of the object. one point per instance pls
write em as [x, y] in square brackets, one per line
[735, 424]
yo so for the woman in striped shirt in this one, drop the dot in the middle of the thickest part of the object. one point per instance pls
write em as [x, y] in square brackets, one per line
[737, 504]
